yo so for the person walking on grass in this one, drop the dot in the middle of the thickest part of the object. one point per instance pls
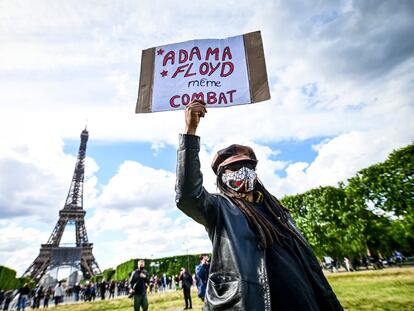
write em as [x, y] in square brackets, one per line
[48, 294]
[139, 282]
[23, 297]
[186, 282]
[58, 293]
[112, 289]
[201, 276]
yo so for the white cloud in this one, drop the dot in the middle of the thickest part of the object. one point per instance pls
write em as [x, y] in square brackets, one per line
[139, 203]
[18, 245]
[343, 156]
[157, 147]
[146, 233]
[36, 175]
[339, 159]
[345, 51]
[342, 71]
[135, 186]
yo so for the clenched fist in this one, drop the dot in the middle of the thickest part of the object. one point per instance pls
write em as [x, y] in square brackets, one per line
[193, 112]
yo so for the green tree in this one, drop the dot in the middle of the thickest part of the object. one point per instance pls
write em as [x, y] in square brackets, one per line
[386, 190]
[327, 221]
[7, 278]
[108, 274]
[388, 185]
[124, 270]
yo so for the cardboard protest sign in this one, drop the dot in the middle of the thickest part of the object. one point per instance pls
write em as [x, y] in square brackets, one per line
[221, 72]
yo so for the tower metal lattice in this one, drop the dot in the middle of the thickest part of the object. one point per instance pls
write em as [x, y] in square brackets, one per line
[52, 254]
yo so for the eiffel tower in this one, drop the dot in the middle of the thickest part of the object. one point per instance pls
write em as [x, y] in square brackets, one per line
[52, 255]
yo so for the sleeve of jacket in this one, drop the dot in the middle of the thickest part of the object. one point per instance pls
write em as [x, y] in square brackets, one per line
[132, 279]
[191, 197]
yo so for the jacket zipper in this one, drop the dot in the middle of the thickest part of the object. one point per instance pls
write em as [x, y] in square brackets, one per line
[266, 288]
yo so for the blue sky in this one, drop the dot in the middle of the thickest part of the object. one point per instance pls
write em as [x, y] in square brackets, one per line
[111, 155]
[341, 78]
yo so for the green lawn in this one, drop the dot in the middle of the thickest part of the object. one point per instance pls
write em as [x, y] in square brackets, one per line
[388, 289]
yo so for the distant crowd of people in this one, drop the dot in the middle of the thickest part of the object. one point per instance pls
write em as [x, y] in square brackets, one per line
[20, 299]
[142, 284]
[40, 296]
[376, 261]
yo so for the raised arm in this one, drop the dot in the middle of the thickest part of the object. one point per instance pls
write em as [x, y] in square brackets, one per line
[191, 197]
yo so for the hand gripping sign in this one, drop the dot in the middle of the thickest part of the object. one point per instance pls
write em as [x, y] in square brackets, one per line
[221, 72]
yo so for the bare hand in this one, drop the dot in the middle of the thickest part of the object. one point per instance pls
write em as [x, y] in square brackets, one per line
[193, 112]
[143, 275]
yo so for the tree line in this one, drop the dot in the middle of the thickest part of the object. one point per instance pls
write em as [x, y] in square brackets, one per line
[169, 265]
[371, 212]
[8, 279]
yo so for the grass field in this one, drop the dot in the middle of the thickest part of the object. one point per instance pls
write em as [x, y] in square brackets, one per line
[388, 289]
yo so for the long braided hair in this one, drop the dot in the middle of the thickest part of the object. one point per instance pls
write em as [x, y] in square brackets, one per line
[265, 229]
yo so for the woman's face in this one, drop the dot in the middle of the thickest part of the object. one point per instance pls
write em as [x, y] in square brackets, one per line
[240, 176]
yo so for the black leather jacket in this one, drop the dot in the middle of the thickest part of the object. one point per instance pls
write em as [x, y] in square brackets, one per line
[138, 283]
[238, 277]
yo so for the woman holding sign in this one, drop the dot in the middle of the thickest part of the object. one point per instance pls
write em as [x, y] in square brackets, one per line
[260, 260]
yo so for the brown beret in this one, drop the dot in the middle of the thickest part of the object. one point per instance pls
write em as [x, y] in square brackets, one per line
[231, 154]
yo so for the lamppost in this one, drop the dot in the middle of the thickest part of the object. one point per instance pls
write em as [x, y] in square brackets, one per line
[185, 244]
[152, 264]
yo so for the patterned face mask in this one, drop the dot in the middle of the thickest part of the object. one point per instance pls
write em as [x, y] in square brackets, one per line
[242, 180]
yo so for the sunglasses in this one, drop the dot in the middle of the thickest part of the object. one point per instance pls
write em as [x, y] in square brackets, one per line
[238, 165]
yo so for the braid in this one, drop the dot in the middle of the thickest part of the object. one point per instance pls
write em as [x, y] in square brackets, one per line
[274, 203]
[266, 231]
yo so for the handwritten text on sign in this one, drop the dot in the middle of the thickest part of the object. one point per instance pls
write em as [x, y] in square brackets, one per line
[214, 71]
